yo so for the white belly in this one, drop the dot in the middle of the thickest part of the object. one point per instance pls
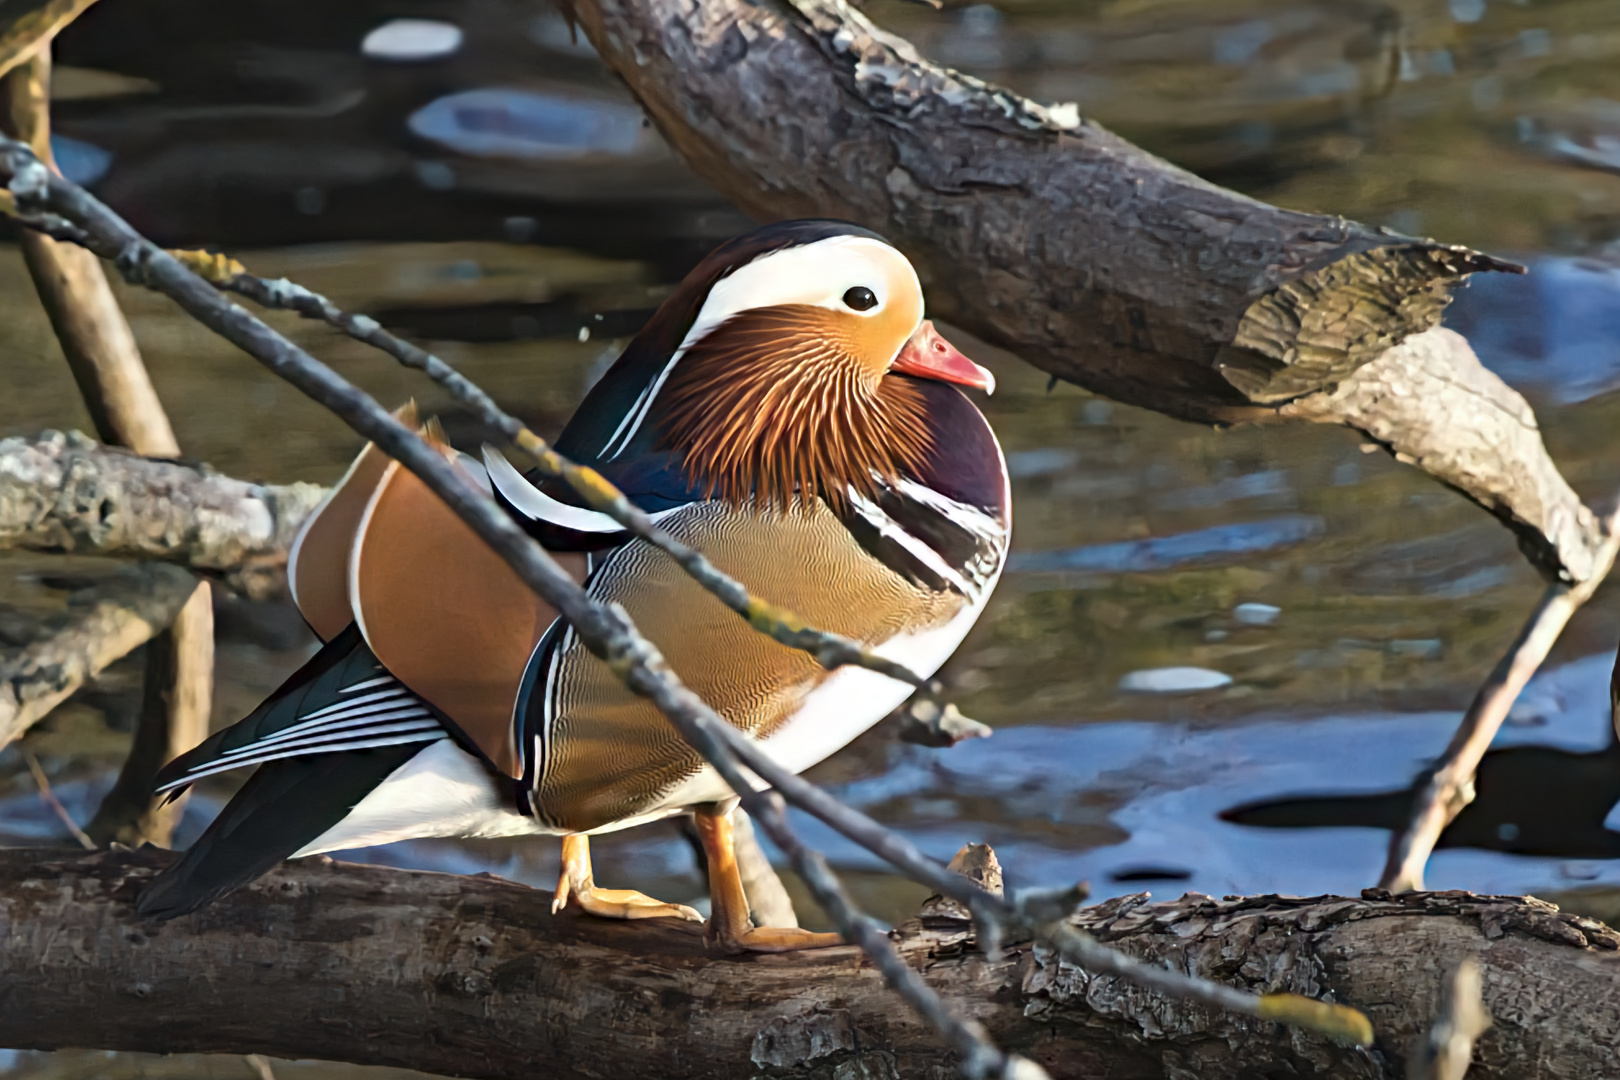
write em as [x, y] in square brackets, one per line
[442, 791]
[848, 703]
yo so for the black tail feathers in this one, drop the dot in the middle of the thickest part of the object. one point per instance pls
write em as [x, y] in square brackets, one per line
[284, 806]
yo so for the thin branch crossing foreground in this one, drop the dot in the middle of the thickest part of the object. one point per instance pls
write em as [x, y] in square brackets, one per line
[604, 629]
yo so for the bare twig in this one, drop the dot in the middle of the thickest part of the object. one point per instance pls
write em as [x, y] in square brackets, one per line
[605, 629]
[1448, 1048]
[48, 797]
[1450, 785]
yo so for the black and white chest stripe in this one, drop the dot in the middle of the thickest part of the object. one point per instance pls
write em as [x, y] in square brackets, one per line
[928, 538]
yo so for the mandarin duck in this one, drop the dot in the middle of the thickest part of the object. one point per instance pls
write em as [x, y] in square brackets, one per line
[787, 411]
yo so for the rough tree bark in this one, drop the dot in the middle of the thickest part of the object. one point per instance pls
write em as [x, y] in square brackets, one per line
[475, 977]
[1045, 233]
[66, 493]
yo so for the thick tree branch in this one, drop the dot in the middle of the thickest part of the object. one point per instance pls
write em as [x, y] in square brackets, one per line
[474, 977]
[65, 493]
[102, 624]
[1042, 232]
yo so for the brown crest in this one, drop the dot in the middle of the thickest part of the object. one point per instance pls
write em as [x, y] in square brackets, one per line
[781, 401]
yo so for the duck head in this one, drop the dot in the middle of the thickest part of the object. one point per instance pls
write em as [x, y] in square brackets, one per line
[787, 364]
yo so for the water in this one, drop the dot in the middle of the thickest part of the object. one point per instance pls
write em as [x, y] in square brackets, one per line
[1219, 658]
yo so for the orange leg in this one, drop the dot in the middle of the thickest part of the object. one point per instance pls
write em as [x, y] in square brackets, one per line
[575, 882]
[729, 926]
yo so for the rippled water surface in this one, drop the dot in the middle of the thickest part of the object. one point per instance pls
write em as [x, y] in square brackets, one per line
[1218, 659]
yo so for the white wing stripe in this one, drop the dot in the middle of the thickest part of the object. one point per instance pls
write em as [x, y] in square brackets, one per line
[322, 738]
[414, 712]
[632, 411]
[364, 744]
[340, 719]
[381, 680]
[536, 504]
[344, 706]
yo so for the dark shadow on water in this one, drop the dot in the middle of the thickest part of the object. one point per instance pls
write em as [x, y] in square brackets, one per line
[1530, 800]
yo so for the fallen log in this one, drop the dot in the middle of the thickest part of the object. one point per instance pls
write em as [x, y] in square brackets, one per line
[474, 977]
[1043, 232]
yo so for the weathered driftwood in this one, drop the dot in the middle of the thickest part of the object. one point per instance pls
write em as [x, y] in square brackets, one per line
[66, 493]
[102, 624]
[1045, 233]
[475, 977]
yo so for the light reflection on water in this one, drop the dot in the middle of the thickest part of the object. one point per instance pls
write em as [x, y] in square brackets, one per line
[1141, 543]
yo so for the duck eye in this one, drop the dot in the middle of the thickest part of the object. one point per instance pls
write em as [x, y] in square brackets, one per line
[860, 298]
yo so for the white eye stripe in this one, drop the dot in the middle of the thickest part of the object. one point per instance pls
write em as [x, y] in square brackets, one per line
[816, 274]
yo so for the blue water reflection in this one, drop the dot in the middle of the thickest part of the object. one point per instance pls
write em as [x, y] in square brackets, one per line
[533, 124]
[1554, 333]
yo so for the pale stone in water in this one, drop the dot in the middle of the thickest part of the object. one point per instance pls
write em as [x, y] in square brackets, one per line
[1256, 614]
[412, 39]
[1173, 680]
